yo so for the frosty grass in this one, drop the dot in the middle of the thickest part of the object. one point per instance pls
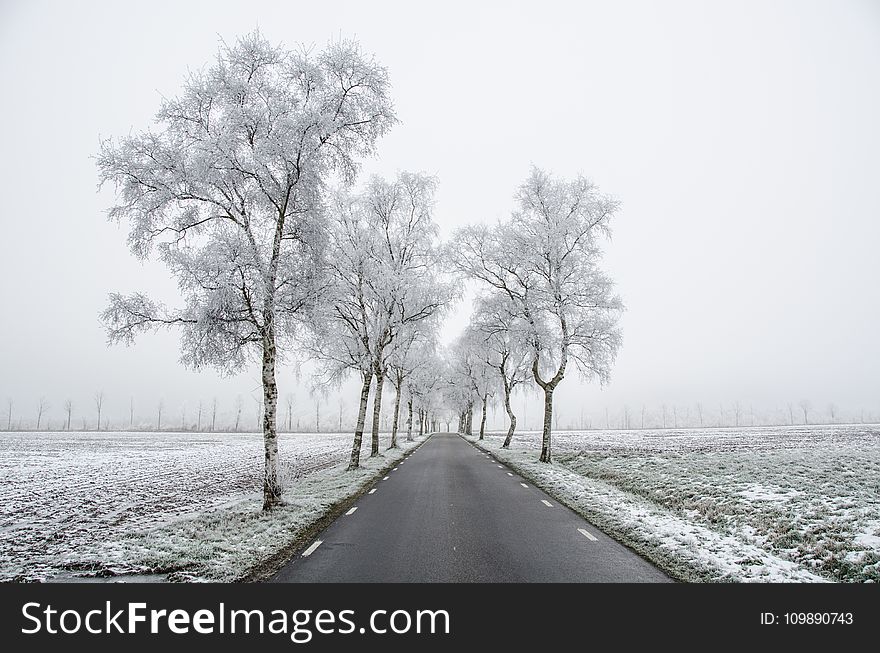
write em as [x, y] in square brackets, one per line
[75, 505]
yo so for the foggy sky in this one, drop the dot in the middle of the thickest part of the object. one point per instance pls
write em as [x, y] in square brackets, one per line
[741, 137]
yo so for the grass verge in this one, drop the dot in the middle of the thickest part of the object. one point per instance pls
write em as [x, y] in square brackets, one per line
[238, 542]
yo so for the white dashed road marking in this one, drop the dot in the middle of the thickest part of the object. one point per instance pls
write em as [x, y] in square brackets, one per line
[371, 491]
[385, 479]
[546, 503]
[312, 548]
[587, 534]
[501, 466]
[351, 510]
[509, 474]
[524, 485]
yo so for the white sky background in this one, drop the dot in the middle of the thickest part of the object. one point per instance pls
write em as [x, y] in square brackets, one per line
[742, 138]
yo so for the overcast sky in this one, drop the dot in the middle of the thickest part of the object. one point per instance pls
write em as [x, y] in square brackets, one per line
[741, 137]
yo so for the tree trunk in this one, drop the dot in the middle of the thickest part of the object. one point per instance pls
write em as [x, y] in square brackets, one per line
[510, 416]
[377, 414]
[271, 486]
[469, 418]
[395, 419]
[355, 460]
[548, 420]
[483, 417]
[409, 437]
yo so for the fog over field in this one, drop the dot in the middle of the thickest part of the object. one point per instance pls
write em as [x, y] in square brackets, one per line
[740, 138]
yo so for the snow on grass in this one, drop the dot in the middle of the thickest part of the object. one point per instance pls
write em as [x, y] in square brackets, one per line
[751, 504]
[134, 503]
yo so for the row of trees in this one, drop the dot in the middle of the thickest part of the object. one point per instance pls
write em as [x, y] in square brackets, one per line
[544, 304]
[331, 415]
[205, 417]
[245, 191]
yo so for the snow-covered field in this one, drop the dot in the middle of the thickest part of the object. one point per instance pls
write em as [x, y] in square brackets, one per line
[122, 503]
[764, 504]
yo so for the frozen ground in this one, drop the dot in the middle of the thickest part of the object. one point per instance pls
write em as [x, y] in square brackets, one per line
[127, 503]
[762, 504]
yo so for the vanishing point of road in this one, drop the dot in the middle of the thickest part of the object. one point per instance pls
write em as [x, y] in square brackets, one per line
[452, 513]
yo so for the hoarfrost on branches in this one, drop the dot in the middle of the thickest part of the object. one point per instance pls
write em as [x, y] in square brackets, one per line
[384, 289]
[545, 260]
[229, 191]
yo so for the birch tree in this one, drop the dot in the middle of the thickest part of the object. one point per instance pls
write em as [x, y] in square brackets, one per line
[42, 407]
[99, 406]
[505, 340]
[229, 189]
[422, 385]
[805, 405]
[407, 282]
[472, 369]
[545, 259]
[413, 349]
[383, 279]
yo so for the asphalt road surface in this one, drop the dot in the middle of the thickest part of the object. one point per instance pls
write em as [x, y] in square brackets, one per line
[450, 513]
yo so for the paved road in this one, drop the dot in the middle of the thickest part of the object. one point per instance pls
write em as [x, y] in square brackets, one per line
[449, 513]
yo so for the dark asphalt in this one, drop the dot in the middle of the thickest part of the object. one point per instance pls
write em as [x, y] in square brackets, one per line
[449, 513]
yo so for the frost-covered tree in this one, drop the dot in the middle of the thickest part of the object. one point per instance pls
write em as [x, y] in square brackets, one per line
[290, 399]
[413, 350]
[68, 409]
[422, 386]
[99, 407]
[806, 406]
[383, 279]
[505, 338]
[239, 402]
[408, 283]
[229, 190]
[474, 378]
[42, 407]
[545, 259]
